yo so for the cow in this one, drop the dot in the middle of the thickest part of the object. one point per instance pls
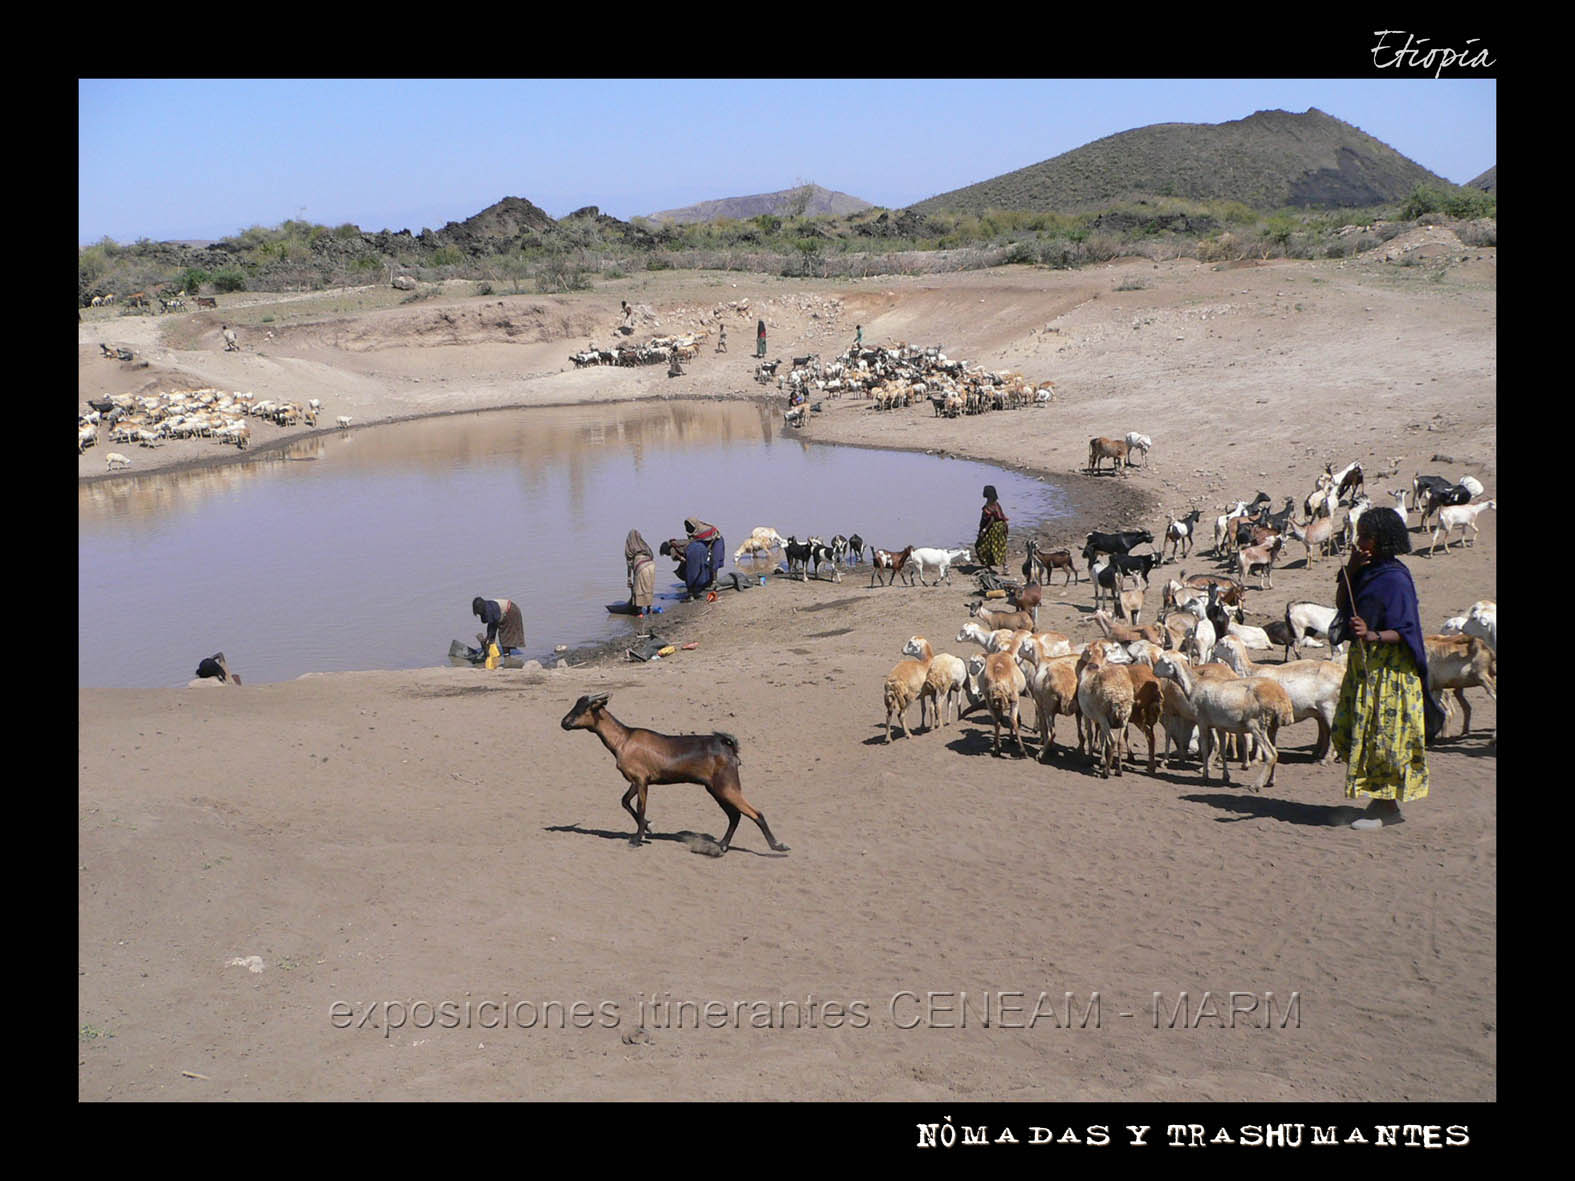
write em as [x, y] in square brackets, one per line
[1115, 543]
[1101, 449]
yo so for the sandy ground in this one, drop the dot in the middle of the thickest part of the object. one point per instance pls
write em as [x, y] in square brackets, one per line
[435, 878]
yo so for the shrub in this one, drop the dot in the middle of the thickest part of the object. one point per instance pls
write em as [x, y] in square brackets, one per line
[229, 280]
[191, 282]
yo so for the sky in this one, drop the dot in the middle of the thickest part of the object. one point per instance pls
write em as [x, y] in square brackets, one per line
[180, 159]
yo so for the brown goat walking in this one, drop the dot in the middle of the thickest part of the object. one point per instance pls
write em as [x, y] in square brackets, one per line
[645, 757]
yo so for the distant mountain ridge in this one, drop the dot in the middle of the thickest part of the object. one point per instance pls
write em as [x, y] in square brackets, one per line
[821, 201]
[1268, 160]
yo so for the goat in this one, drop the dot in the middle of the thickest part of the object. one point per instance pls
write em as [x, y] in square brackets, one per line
[1138, 564]
[1027, 599]
[1315, 534]
[820, 554]
[1459, 663]
[897, 563]
[1260, 557]
[798, 554]
[1124, 634]
[1129, 597]
[855, 553]
[1179, 534]
[1432, 492]
[1458, 517]
[1137, 442]
[1039, 563]
[115, 459]
[645, 757]
[1101, 449]
[1302, 618]
[1247, 706]
[344, 422]
[939, 561]
[998, 619]
[1347, 479]
[905, 682]
[1104, 576]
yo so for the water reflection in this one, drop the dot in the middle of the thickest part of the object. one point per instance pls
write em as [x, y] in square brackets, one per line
[363, 549]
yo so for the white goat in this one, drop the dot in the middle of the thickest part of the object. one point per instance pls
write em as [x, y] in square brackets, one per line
[1137, 442]
[114, 460]
[1458, 516]
[928, 559]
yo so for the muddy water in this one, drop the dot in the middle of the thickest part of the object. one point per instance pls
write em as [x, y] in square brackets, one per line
[363, 550]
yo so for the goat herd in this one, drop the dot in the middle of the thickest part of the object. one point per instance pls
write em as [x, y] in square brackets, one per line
[1192, 672]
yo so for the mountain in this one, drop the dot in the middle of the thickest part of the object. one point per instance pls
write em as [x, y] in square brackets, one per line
[1487, 182]
[1268, 160]
[781, 204]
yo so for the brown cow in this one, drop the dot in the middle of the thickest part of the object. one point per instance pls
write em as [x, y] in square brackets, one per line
[1101, 449]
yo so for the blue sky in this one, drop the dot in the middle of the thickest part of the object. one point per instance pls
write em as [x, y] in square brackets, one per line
[194, 158]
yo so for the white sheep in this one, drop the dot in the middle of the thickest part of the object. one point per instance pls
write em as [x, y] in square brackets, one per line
[1313, 685]
[344, 422]
[114, 460]
[1104, 698]
[904, 683]
[1053, 686]
[945, 684]
[1003, 684]
[1482, 620]
[1248, 707]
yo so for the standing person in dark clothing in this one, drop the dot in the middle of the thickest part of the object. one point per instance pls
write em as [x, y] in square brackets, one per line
[505, 625]
[990, 545]
[641, 564]
[1384, 711]
[760, 339]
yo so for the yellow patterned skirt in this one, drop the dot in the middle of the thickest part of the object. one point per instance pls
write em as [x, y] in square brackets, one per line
[1378, 724]
[991, 545]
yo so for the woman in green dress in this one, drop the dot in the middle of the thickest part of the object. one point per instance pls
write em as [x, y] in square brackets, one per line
[1384, 712]
[990, 545]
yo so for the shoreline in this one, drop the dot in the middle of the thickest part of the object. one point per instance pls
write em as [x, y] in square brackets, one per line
[1091, 499]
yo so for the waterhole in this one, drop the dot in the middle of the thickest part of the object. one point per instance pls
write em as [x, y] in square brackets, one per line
[369, 557]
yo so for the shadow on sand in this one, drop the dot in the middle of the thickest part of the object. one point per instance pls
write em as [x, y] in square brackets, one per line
[697, 842]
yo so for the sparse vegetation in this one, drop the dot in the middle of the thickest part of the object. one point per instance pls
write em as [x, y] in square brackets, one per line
[1166, 209]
